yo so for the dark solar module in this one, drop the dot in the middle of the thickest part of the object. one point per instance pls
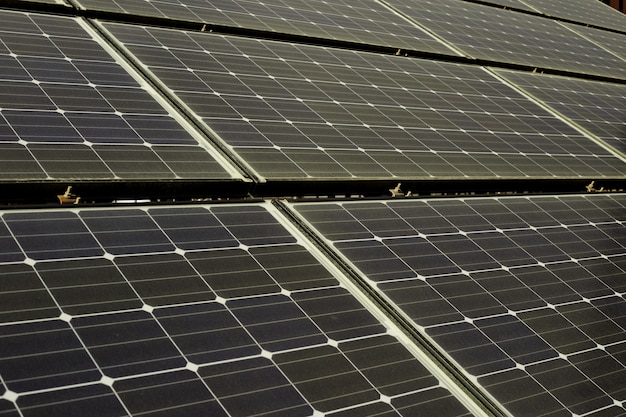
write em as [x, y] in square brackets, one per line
[583, 11]
[611, 41]
[295, 111]
[526, 294]
[68, 110]
[366, 22]
[596, 106]
[112, 312]
[487, 32]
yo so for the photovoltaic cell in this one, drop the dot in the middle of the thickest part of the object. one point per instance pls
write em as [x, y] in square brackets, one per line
[491, 33]
[596, 106]
[367, 22]
[131, 316]
[7, 409]
[222, 309]
[525, 294]
[68, 110]
[295, 111]
[252, 386]
[51, 235]
[44, 355]
[98, 400]
[152, 395]
[24, 296]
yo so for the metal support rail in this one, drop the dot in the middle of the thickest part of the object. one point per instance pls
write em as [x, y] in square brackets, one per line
[483, 401]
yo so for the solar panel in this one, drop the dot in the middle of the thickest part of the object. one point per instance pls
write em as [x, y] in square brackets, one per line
[486, 32]
[591, 12]
[526, 294]
[366, 22]
[69, 110]
[598, 107]
[611, 41]
[296, 111]
[213, 310]
[584, 11]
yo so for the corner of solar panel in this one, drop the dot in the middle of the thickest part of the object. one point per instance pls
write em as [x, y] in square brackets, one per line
[312, 208]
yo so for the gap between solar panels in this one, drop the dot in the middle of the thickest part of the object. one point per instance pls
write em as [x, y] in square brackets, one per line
[406, 326]
[205, 307]
[478, 402]
[77, 9]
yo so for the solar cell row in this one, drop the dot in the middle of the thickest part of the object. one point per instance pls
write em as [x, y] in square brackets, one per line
[69, 110]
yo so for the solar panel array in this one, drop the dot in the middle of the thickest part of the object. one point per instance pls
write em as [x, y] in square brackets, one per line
[526, 294]
[597, 107]
[200, 310]
[367, 22]
[303, 111]
[283, 110]
[490, 33]
[486, 306]
[68, 110]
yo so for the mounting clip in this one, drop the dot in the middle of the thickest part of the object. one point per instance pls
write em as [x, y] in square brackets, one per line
[68, 197]
[590, 188]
